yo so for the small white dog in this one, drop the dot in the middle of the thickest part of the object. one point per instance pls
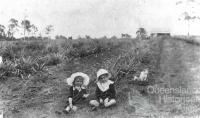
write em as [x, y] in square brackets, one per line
[143, 75]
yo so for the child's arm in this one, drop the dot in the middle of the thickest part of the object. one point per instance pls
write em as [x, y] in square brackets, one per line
[70, 97]
[70, 102]
[98, 93]
[85, 94]
[112, 92]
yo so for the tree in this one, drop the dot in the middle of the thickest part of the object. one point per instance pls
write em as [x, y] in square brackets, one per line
[125, 35]
[49, 29]
[141, 33]
[186, 15]
[142, 30]
[87, 37]
[60, 37]
[12, 27]
[33, 29]
[26, 24]
[113, 37]
[2, 30]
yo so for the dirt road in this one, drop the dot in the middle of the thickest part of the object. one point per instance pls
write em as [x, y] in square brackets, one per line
[180, 67]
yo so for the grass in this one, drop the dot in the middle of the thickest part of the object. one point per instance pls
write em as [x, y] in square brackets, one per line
[25, 53]
[190, 40]
[29, 64]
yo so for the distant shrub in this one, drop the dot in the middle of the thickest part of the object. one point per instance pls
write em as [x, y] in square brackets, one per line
[113, 37]
[35, 45]
[52, 48]
[84, 47]
[58, 37]
[53, 59]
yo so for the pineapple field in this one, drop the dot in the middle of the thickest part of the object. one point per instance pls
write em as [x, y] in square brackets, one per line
[33, 75]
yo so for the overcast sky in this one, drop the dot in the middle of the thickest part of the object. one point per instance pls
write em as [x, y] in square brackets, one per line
[101, 17]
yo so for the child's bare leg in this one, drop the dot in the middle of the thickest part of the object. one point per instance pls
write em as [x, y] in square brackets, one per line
[67, 108]
[108, 103]
[94, 103]
[74, 108]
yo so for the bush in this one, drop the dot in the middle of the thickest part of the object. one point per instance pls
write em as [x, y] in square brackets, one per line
[132, 62]
[8, 53]
[52, 48]
[22, 67]
[84, 47]
[54, 59]
[7, 69]
[53, 52]
[12, 51]
[35, 45]
[18, 49]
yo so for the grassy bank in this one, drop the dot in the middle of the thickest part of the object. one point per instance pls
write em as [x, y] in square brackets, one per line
[36, 70]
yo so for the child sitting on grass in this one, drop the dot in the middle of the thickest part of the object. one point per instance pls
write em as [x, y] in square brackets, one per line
[105, 90]
[77, 91]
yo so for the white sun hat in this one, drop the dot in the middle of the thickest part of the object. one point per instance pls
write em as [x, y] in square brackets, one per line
[86, 78]
[101, 72]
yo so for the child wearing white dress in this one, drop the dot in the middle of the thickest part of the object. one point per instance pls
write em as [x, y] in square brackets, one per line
[105, 90]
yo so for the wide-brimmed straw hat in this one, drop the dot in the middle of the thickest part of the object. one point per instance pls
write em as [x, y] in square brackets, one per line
[86, 78]
[102, 72]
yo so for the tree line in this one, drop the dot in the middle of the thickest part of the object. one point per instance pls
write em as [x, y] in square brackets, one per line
[14, 26]
[28, 29]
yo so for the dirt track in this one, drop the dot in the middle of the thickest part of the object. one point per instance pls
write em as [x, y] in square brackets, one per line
[179, 66]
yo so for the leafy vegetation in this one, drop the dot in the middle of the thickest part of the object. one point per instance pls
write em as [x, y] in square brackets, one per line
[24, 58]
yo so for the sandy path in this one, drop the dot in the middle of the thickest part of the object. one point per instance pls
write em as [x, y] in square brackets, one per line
[180, 67]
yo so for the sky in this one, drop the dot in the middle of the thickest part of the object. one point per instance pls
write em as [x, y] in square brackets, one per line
[99, 18]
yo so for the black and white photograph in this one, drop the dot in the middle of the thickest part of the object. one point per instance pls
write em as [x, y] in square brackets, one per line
[99, 58]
